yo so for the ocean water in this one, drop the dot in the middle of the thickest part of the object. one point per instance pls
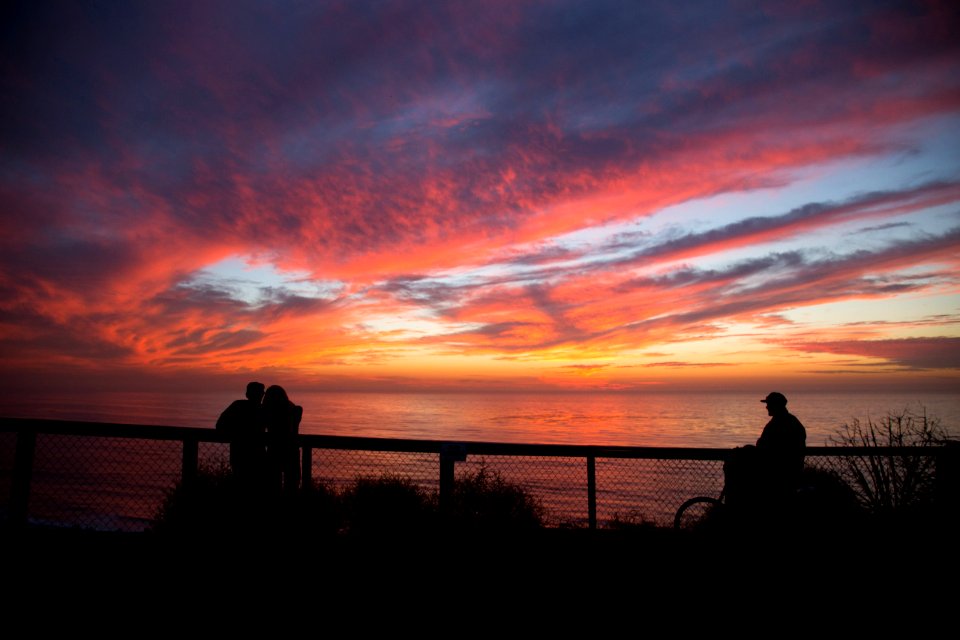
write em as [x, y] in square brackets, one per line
[119, 483]
[649, 419]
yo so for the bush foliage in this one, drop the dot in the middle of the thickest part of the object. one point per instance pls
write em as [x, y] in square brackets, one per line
[483, 500]
[214, 504]
[887, 482]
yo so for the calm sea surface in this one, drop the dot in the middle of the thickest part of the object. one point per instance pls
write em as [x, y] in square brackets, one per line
[651, 419]
[116, 483]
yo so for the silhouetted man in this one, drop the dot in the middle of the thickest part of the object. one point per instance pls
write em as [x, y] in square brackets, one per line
[242, 421]
[762, 477]
[781, 447]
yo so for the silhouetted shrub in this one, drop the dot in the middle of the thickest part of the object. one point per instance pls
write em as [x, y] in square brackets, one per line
[214, 504]
[886, 484]
[483, 500]
[314, 511]
[629, 521]
[388, 504]
[826, 502]
[210, 504]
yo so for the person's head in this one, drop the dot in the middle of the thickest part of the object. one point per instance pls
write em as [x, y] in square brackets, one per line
[255, 391]
[776, 402]
[275, 396]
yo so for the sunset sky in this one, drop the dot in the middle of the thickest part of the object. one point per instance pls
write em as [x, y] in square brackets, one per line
[480, 195]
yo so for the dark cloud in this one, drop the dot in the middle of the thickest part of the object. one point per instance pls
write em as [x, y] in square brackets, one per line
[421, 290]
[214, 300]
[792, 279]
[796, 279]
[544, 256]
[281, 303]
[585, 367]
[201, 341]
[912, 353]
[883, 227]
[677, 364]
[253, 119]
[31, 337]
[935, 319]
[814, 214]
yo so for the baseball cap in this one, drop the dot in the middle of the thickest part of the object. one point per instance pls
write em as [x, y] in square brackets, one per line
[775, 398]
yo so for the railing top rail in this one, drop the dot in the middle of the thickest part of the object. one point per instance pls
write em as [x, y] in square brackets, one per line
[204, 434]
[112, 429]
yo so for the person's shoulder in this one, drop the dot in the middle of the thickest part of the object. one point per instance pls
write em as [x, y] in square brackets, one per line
[231, 413]
[233, 406]
[243, 406]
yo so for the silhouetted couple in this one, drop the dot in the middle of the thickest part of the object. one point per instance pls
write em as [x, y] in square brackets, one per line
[272, 463]
[764, 477]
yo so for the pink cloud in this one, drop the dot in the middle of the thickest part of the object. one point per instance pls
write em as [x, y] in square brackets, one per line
[914, 353]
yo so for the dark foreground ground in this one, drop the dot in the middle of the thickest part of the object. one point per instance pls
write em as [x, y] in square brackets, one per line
[890, 576]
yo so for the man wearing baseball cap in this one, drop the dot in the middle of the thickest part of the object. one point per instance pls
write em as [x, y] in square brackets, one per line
[781, 445]
[759, 479]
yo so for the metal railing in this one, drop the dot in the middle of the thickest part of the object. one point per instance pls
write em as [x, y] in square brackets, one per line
[115, 476]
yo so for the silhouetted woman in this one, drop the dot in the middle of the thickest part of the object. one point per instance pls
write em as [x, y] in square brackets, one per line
[282, 419]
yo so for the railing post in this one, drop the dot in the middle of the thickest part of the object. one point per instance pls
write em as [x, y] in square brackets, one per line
[191, 460]
[450, 453]
[306, 466]
[948, 480]
[592, 492]
[22, 475]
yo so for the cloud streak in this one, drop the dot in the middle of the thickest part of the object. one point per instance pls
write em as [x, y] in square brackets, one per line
[912, 353]
[419, 186]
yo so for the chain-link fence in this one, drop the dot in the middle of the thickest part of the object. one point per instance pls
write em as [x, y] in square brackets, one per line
[8, 442]
[886, 482]
[116, 477]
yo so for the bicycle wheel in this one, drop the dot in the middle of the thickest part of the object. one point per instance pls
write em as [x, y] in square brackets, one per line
[694, 512]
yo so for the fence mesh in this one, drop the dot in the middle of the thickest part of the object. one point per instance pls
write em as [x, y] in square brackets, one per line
[639, 491]
[101, 483]
[338, 469]
[883, 482]
[213, 455]
[558, 483]
[118, 483]
[8, 445]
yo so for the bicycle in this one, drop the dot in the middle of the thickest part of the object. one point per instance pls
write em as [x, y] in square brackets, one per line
[822, 498]
[745, 476]
[698, 511]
